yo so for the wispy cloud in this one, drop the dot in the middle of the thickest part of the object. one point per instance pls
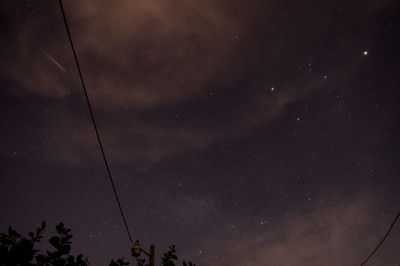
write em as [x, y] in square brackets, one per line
[340, 234]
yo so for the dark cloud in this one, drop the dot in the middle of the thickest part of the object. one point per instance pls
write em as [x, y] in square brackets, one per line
[145, 54]
[160, 56]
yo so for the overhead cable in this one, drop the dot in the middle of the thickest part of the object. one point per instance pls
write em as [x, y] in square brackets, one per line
[383, 239]
[94, 121]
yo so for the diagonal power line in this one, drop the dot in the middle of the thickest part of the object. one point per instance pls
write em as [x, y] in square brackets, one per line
[383, 239]
[105, 158]
[94, 122]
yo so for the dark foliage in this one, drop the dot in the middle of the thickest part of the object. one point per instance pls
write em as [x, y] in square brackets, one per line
[18, 250]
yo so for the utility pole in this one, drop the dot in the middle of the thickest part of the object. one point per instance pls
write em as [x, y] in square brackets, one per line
[151, 257]
[136, 250]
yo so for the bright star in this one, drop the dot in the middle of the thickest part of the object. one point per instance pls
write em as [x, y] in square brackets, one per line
[365, 52]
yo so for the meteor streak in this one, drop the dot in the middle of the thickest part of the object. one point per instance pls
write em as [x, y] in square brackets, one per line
[53, 60]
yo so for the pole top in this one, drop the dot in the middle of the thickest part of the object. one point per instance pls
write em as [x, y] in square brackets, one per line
[136, 250]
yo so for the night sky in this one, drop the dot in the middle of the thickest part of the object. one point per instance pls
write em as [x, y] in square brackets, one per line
[245, 132]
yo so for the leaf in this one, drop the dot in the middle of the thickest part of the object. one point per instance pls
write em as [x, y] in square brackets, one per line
[55, 241]
[64, 249]
[41, 228]
[12, 233]
[68, 237]
[60, 228]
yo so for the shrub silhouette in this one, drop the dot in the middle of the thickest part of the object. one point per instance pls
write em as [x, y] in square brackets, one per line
[18, 250]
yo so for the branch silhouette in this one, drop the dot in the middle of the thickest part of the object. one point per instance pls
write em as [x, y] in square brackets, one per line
[18, 250]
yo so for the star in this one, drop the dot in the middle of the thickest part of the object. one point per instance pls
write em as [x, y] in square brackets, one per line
[202, 126]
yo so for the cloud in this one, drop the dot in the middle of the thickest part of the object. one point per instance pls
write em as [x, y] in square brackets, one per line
[164, 58]
[330, 234]
[144, 53]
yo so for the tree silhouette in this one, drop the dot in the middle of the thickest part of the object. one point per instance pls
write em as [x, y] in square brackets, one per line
[18, 250]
